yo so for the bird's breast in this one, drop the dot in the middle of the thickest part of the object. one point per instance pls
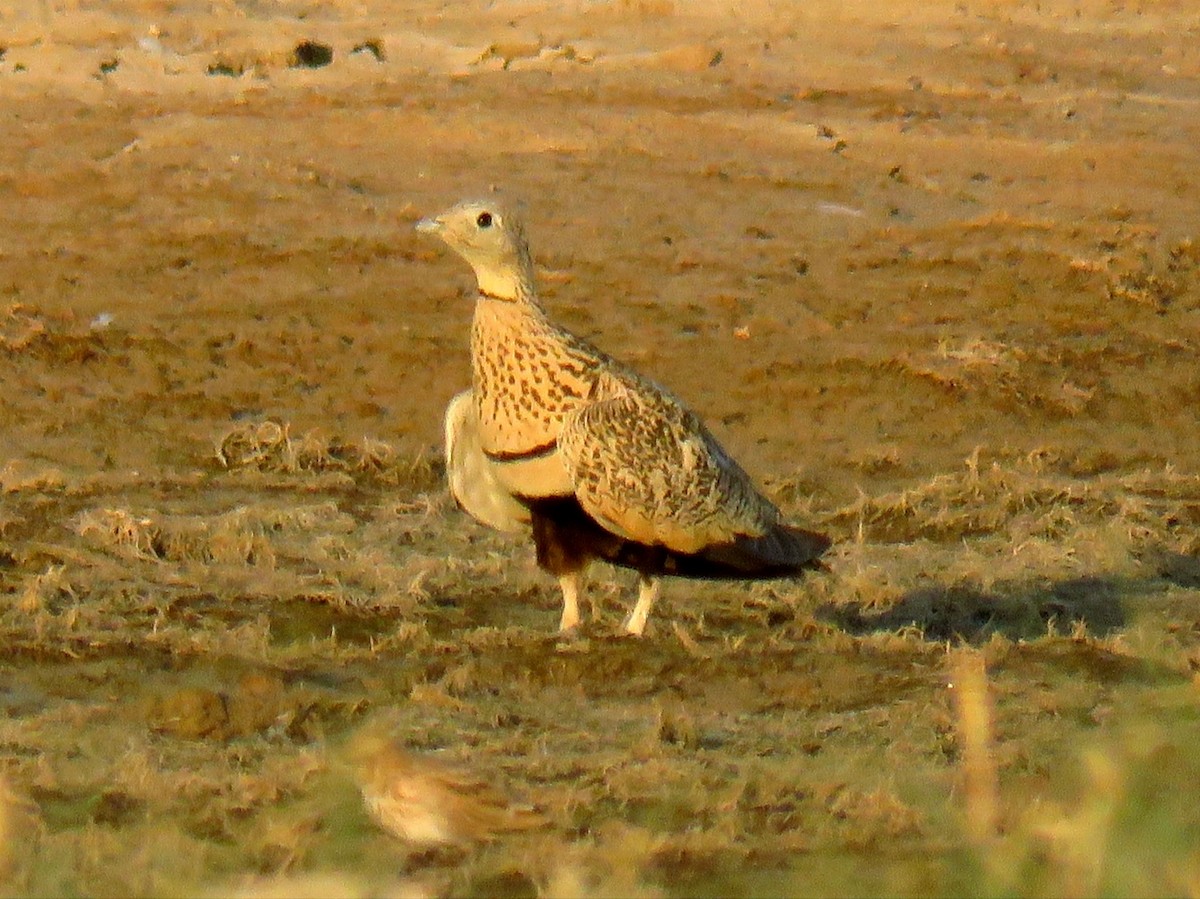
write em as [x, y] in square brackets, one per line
[526, 385]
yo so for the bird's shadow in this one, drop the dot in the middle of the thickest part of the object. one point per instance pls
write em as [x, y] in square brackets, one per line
[971, 615]
[1098, 603]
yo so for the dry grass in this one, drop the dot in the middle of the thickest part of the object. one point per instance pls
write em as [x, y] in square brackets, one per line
[768, 753]
[1030, 498]
[269, 446]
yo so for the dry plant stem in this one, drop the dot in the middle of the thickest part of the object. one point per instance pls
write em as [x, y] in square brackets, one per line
[973, 719]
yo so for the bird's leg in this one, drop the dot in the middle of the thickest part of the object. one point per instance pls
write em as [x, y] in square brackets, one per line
[570, 582]
[559, 554]
[647, 593]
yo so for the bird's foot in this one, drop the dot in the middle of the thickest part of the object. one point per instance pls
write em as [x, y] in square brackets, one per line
[570, 584]
[635, 623]
[633, 627]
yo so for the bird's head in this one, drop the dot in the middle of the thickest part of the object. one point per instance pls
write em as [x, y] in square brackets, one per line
[489, 236]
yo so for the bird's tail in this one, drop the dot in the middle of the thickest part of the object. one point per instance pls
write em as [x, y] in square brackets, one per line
[784, 551]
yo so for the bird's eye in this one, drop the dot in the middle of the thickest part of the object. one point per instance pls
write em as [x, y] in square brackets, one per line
[484, 220]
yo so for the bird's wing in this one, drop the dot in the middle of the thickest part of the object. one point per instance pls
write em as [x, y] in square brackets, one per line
[479, 807]
[472, 476]
[647, 469]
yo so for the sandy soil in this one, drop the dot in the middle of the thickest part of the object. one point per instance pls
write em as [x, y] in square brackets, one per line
[930, 271]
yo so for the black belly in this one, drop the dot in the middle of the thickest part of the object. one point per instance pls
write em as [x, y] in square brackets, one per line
[567, 538]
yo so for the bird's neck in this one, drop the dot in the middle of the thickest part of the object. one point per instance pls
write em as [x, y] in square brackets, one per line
[514, 284]
[502, 319]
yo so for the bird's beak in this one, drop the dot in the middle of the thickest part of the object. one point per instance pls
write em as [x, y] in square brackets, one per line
[429, 226]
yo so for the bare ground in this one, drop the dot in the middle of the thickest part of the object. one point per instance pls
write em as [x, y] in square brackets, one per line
[931, 273]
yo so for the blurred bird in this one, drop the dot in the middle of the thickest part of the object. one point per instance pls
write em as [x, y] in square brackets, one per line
[557, 438]
[427, 803]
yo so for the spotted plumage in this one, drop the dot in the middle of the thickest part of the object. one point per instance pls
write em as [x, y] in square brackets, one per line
[598, 461]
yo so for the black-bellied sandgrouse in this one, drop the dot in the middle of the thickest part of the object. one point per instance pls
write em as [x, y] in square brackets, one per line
[599, 461]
